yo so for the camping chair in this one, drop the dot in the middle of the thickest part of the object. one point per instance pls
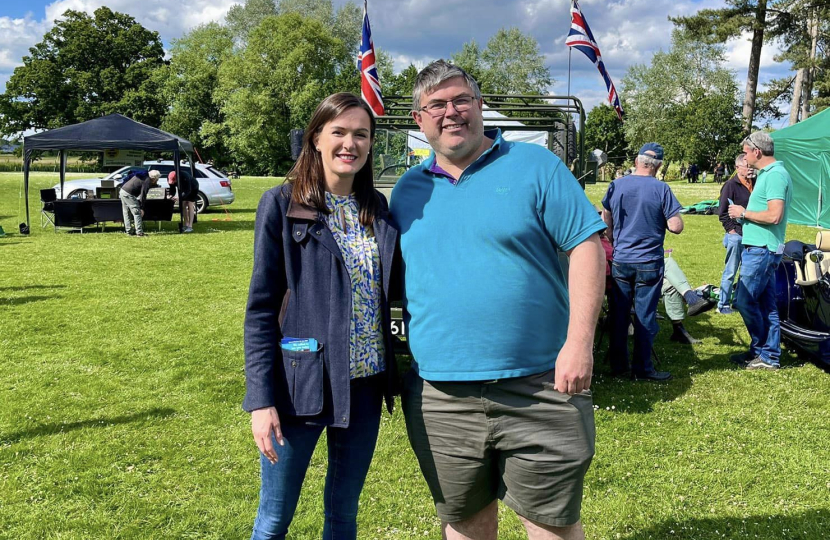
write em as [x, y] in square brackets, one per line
[47, 206]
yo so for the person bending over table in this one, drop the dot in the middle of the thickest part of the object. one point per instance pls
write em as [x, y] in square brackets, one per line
[133, 196]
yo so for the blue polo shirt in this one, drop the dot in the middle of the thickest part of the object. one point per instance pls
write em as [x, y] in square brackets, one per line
[485, 295]
[641, 207]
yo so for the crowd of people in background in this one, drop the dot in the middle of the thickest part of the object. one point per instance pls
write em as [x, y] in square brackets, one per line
[753, 211]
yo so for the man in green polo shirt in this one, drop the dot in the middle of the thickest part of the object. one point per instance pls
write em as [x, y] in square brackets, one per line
[764, 226]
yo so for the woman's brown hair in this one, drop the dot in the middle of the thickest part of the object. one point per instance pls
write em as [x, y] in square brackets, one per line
[307, 175]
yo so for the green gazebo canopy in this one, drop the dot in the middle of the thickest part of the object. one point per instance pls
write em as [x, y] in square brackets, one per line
[805, 150]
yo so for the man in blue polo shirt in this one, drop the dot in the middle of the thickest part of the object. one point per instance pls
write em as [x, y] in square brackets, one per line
[489, 315]
[638, 209]
[764, 227]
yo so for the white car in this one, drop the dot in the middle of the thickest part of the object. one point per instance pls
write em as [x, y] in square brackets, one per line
[214, 187]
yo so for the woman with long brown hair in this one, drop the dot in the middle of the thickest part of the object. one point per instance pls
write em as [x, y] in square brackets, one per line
[318, 342]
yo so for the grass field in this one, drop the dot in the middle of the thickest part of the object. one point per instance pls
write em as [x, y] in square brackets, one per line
[121, 378]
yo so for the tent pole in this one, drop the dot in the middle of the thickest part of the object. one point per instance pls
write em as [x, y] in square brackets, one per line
[193, 175]
[62, 157]
[26, 157]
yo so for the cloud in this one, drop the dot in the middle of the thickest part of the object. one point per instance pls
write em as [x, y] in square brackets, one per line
[16, 36]
[171, 19]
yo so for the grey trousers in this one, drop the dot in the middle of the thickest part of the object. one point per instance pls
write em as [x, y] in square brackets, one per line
[130, 205]
[675, 285]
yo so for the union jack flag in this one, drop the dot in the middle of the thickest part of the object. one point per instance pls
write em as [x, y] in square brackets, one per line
[581, 39]
[369, 81]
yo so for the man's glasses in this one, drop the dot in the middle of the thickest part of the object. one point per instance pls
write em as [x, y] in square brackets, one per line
[751, 143]
[439, 107]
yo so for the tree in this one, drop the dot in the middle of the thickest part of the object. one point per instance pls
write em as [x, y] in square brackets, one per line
[794, 22]
[188, 85]
[720, 25]
[289, 65]
[243, 18]
[604, 130]
[803, 32]
[401, 84]
[469, 59]
[86, 66]
[345, 23]
[684, 100]
[513, 64]
[510, 64]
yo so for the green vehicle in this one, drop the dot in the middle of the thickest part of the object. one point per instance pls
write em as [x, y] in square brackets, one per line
[544, 119]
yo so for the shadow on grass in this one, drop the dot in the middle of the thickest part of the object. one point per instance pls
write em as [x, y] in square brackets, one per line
[25, 300]
[30, 287]
[806, 525]
[51, 429]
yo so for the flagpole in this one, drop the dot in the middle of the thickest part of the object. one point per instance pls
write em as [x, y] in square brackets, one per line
[569, 71]
[569, 61]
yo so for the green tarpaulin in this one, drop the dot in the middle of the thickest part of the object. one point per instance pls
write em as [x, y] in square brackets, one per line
[805, 150]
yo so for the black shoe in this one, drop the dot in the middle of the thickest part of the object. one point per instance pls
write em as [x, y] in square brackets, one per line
[653, 376]
[681, 335]
[742, 359]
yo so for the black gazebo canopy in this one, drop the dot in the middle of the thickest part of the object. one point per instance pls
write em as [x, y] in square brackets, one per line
[110, 132]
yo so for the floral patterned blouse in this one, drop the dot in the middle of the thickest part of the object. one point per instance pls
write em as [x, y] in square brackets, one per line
[362, 257]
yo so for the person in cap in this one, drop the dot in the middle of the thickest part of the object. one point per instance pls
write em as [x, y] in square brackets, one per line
[490, 315]
[764, 227]
[133, 196]
[188, 195]
[638, 210]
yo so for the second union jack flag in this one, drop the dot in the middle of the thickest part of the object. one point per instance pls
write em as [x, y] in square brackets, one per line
[581, 39]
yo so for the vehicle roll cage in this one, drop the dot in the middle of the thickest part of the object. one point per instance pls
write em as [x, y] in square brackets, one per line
[535, 112]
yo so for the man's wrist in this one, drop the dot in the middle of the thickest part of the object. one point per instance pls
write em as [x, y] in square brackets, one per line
[743, 215]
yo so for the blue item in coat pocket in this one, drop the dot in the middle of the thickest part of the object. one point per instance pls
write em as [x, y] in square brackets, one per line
[298, 344]
[304, 375]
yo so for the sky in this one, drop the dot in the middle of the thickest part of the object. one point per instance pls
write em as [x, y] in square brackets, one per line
[628, 31]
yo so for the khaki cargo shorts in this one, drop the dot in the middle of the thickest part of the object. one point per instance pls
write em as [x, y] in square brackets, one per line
[518, 440]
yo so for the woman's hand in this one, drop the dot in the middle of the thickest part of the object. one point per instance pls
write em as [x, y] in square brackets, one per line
[263, 422]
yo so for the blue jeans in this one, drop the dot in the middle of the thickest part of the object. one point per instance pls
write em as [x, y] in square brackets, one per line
[350, 453]
[756, 302]
[732, 243]
[639, 283]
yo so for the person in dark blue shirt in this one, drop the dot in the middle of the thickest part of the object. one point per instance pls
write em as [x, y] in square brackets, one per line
[638, 209]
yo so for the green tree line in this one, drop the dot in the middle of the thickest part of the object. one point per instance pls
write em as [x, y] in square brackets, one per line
[236, 88]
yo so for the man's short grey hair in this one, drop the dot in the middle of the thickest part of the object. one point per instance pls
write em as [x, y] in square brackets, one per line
[740, 159]
[436, 73]
[762, 141]
[645, 160]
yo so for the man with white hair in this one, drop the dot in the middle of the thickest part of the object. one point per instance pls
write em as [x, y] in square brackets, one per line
[638, 209]
[764, 226]
[133, 195]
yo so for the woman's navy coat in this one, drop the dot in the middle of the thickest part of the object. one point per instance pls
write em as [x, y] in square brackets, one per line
[301, 288]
